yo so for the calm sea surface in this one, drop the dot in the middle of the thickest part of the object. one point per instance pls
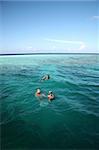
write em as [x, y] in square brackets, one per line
[70, 121]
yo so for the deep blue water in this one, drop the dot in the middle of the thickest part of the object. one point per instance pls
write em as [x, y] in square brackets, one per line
[70, 121]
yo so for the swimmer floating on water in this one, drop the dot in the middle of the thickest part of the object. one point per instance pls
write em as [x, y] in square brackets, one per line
[39, 94]
[45, 77]
[51, 96]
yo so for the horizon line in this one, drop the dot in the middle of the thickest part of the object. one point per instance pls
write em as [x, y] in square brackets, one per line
[45, 53]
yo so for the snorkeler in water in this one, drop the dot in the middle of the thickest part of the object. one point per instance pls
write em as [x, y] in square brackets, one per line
[39, 94]
[45, 77]
[51, 96]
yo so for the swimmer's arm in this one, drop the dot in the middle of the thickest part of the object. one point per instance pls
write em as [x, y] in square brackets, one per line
[43, 95]
[42, 79]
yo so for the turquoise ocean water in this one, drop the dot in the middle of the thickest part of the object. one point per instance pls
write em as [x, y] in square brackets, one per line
[70, 121]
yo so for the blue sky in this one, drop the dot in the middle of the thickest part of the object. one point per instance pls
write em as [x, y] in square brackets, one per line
[45, 26]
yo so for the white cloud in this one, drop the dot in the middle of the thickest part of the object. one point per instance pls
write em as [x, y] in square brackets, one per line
[64, 41]
[80, 44]
[95, 17]
[30, 49]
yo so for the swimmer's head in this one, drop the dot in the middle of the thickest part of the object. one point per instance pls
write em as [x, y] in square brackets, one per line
[45, 77]
[48, 76]
[50, 92]
[38, 91]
